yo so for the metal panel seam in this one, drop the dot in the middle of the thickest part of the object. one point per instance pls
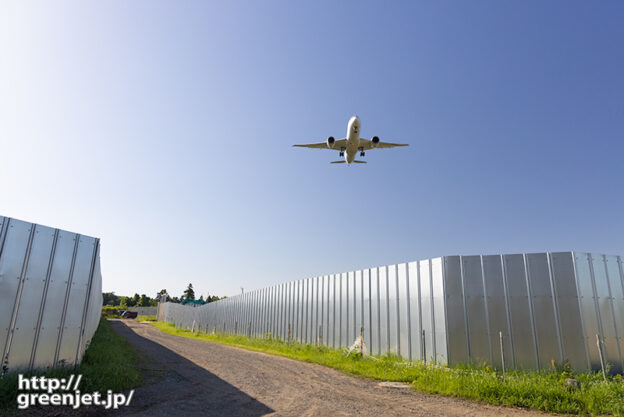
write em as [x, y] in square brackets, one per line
[18, 297]
[615, 322]
[531, 314]
[85, 308]
[553, 291]
[387, 310]
[398, 308]
[446, 332]
[67, 291]
[466, 325]
[409, 311]
[486, 308]
[595, 298]
[4, 231]
[578, 297]
[508, 310]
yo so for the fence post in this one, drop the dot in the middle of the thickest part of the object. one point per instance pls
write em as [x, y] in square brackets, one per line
[500, 334]
[424, 348]
[236, 327]
[602, 364]
[362, 341]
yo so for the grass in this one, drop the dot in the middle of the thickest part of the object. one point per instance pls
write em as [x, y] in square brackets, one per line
[545, 391]
[146, 318]
[110, 362]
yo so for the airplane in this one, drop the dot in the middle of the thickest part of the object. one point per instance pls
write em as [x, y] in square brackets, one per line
[350, 145]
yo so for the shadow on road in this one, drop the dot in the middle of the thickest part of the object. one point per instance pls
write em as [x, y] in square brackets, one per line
[179, 387]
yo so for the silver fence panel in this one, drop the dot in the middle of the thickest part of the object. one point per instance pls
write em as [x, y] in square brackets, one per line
[589, 312]
[610, 340]
[329, 313]
[77, 293]
[375, 344]
[403, 326]
[546, 326]
[393, 309]
[301, 310]
[358, 305]
[524, 348]
[569, 313]
[308, 311]
[273, 319]
[497, 309]
[428, 325]
[322, 320]
[384, 329]
[34, 286]
[367, 309]
[353, 331]
[478, 339]
[437, 283]
[456, 311]
[50, 288]
[616, 280]
[415, 315]
[317, 309]
[51, 328]
[14, 244]
[318, 330]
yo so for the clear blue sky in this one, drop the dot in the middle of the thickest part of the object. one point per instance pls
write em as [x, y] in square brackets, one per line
[165, 129]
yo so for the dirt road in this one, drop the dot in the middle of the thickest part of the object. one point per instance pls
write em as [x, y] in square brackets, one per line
[199, 378]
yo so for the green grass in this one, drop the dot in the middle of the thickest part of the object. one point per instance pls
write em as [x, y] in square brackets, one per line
[546, 391]
[110, 362]
[146, 318]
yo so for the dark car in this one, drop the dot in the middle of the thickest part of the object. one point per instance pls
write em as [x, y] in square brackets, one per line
[129, 314]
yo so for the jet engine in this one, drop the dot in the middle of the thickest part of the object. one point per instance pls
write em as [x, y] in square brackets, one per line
[375, 141]
[330, 142]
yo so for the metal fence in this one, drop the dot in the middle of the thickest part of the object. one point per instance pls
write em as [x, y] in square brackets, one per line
[530, 309]
[50, 295]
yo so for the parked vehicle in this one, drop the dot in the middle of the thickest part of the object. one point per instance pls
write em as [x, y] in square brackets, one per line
[129, 314]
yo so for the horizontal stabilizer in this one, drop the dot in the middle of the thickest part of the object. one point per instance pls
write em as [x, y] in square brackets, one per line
[337, 162]
[359, 162]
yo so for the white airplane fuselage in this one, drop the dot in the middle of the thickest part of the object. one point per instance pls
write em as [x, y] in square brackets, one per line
[353, 139]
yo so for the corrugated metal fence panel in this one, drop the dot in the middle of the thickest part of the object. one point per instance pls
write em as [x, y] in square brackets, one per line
[546, 306]
[524, 348]
[569, 313]
[50, 286]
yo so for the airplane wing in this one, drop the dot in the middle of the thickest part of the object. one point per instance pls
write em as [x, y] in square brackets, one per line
[366, 145]
[338, 145]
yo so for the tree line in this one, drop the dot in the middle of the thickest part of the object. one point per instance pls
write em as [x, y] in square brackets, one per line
[111, 299]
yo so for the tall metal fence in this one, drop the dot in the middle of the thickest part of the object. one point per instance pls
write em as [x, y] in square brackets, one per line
[50, 295]
[529, 309]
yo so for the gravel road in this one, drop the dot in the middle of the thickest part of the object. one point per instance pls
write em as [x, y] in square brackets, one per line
[189, 377]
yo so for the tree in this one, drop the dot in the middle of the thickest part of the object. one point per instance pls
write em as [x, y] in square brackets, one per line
[201, 298]
[145, 301]
[189, 293]
[110, 299]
